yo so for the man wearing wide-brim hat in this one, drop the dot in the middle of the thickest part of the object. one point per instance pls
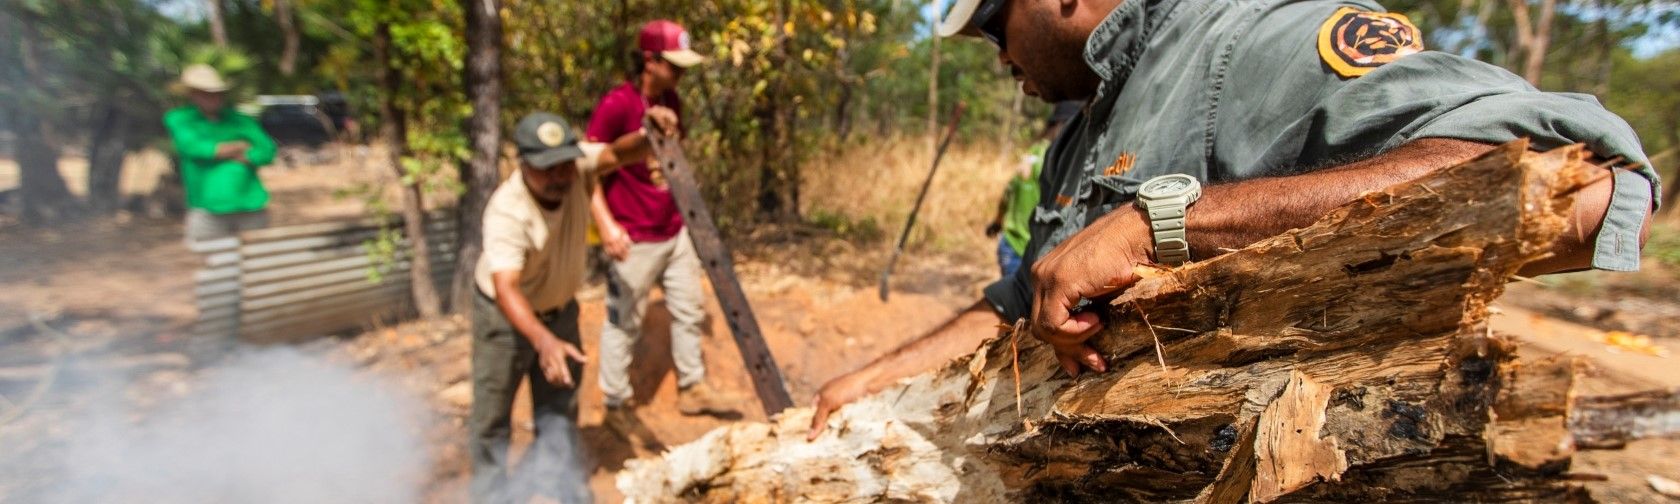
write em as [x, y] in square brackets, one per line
[220, 150]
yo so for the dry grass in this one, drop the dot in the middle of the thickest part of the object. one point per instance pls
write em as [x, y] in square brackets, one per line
[867, 192]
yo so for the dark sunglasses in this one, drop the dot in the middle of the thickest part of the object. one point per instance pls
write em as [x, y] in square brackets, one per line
[982, 19]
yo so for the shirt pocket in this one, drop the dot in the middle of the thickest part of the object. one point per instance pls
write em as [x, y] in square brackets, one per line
[1111, 189]
[1108, 192]
[1045, 223]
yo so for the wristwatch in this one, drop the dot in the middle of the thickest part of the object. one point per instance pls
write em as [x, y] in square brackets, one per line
[1163, 200]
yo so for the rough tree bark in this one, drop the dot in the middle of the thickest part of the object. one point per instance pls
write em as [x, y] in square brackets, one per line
[46, 198]
[1347, 361]
[774, 115]
[288, 35]
[105, 151]
[479, 175]
[392, 133]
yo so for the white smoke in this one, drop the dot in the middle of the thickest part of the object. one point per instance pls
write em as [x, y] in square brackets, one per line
[271, 425]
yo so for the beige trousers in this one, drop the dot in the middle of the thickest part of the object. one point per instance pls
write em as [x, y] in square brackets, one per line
[675, 266]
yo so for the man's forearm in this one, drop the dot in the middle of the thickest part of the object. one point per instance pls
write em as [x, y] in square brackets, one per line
[1231, 216]
[1099, 260]
[957, 337]
[632, 147]
[599, 210]
[517, 309]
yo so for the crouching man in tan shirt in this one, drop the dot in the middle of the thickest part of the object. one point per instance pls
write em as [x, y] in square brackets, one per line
[525, 318]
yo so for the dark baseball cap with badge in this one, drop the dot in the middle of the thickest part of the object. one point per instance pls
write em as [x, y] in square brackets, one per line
[545, 140]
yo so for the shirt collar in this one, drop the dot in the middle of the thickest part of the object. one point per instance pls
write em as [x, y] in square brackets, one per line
[226, 112]
[1114, 47]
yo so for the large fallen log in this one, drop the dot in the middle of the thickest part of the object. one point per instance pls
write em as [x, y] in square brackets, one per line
[1349, 360]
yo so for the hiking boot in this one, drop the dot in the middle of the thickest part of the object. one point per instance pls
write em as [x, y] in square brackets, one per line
[622, 421]
[701, 398]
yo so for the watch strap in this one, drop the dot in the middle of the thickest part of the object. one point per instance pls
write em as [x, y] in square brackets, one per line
[1166, 224]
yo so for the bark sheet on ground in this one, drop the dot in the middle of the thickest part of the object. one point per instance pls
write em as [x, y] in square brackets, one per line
[1347, 360]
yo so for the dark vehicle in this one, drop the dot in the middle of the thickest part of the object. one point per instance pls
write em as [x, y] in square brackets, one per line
[337, 109]
[296, 121]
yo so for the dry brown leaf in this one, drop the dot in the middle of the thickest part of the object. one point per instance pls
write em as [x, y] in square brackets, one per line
[1619, 341]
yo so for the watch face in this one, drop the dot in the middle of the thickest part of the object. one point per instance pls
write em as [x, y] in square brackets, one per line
[1170, 185]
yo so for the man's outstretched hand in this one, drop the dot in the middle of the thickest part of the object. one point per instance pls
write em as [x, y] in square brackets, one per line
[834, 394]
[1093, 263]
[553, 357]
[615, 241]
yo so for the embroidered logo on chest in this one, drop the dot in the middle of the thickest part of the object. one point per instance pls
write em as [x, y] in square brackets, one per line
[1121, 164]
[1354, 42]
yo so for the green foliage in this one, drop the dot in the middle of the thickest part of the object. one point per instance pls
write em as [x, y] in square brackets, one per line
[233, 64]
[787, 81]
[382, 251]
[1647, 93]
[1589, 52]
[77, 64]
[1664, 246]
[784, 82]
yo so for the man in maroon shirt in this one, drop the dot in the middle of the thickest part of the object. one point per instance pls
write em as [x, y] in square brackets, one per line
[643, 233]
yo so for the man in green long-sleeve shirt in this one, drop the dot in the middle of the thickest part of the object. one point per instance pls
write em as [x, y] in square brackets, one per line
[220, 152]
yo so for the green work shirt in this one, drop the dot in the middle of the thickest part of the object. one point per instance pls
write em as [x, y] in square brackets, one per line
[1020, 198]
[1229, 90]
[219, 186]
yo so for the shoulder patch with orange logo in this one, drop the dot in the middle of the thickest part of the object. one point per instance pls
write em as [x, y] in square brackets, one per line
[1354, 42]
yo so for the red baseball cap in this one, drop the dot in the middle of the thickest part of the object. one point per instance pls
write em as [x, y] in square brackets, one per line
[670, 40]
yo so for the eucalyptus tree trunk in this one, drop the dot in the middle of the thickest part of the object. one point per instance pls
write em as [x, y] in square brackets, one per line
[479, 175]
[217, 17]
[289, 37]
[392, 132]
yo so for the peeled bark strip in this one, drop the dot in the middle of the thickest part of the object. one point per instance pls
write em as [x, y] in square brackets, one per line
[1289, 454]
[1349, 360]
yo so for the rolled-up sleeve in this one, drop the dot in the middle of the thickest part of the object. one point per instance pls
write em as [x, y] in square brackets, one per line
[1327, 119]
[505, 242]
[1634, 196]
[1506, 108]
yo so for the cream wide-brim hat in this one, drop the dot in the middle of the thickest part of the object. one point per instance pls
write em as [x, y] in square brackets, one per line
[201, 77]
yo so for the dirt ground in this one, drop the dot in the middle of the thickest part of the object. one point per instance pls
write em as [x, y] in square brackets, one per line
[821, 319]
[120, 289]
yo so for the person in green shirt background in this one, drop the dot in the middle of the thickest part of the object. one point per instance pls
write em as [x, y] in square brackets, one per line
[220, 150]
[1020, 197]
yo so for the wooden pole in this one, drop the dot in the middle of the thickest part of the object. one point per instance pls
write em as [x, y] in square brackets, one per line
[720, 268]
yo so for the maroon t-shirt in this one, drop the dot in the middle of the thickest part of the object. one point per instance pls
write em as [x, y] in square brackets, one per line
[637, 197]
